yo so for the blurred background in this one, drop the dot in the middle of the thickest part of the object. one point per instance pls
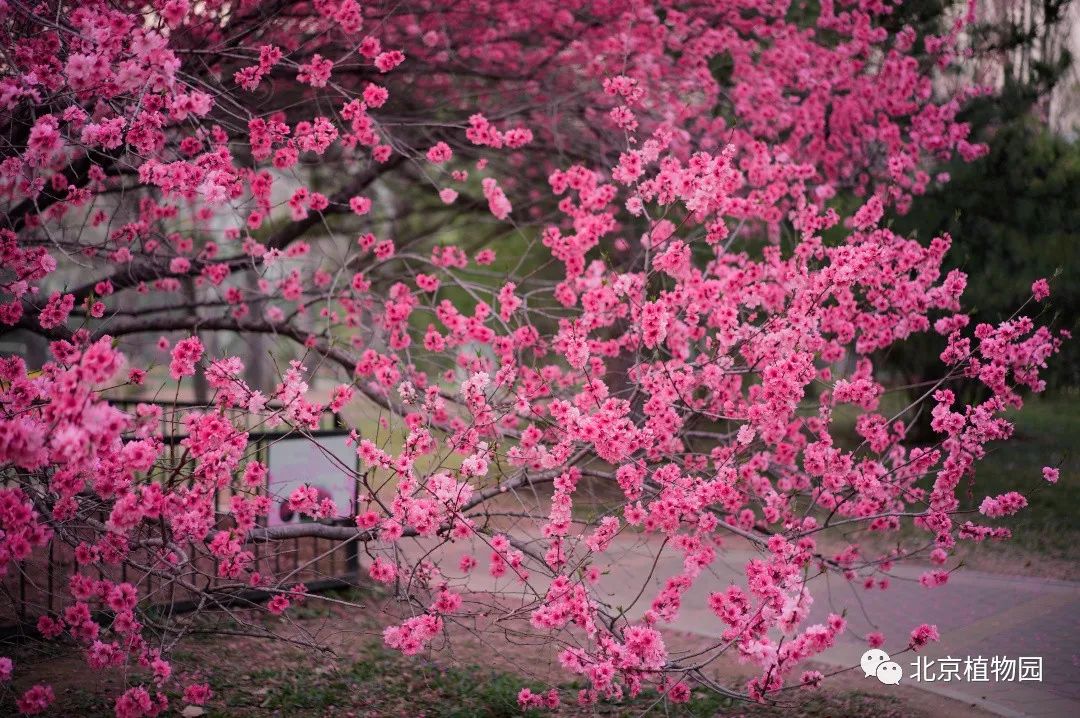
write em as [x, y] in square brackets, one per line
[1014, 216]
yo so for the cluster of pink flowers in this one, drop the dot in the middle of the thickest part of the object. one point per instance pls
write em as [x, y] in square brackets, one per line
[316, 72]
[36, 699]
[497, 201]
[440, 153]
[1003, 505]
[413, 635]
[184, 356]
[306, 500]
[527, 699]
[923, 635]
[249, 77]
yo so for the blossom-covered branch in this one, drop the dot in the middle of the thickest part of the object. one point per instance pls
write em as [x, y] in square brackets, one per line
[550, 244]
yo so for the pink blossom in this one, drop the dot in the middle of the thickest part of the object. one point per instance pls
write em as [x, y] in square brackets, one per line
[439, 153]
[36, 699]
[375, 96]
[316, 72]
[924, 634]
[278, 604]
[679, 693]
[427, 282]
[185, 355]
[198, 694]
[137, 702]
[360, 205]
[1003, 505]
[497, 201]
[1040, 289]
[57, 310]
[387, 61]
[382, 571]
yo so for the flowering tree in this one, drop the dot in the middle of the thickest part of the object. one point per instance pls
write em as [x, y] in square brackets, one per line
[551, 241]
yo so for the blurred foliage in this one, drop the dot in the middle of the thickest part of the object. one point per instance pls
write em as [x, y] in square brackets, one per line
[1014, 214]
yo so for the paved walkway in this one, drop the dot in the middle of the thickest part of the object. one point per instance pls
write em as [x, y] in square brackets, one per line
[978, 614]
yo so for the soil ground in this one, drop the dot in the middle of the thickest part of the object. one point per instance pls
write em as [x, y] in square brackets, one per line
[465, 675]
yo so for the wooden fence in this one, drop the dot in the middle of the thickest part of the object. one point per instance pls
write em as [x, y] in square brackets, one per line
[37, 586]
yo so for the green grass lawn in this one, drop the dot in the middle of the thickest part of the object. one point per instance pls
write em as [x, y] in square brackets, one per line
[1046, 435]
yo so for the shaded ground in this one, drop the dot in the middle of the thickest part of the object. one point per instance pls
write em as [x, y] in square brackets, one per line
[467, 678]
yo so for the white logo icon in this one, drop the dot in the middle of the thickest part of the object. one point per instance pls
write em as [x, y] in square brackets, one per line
[890, 672]
[876, 662]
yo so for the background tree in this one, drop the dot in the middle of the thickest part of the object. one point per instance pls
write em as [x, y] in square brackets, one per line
[1011, 213]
